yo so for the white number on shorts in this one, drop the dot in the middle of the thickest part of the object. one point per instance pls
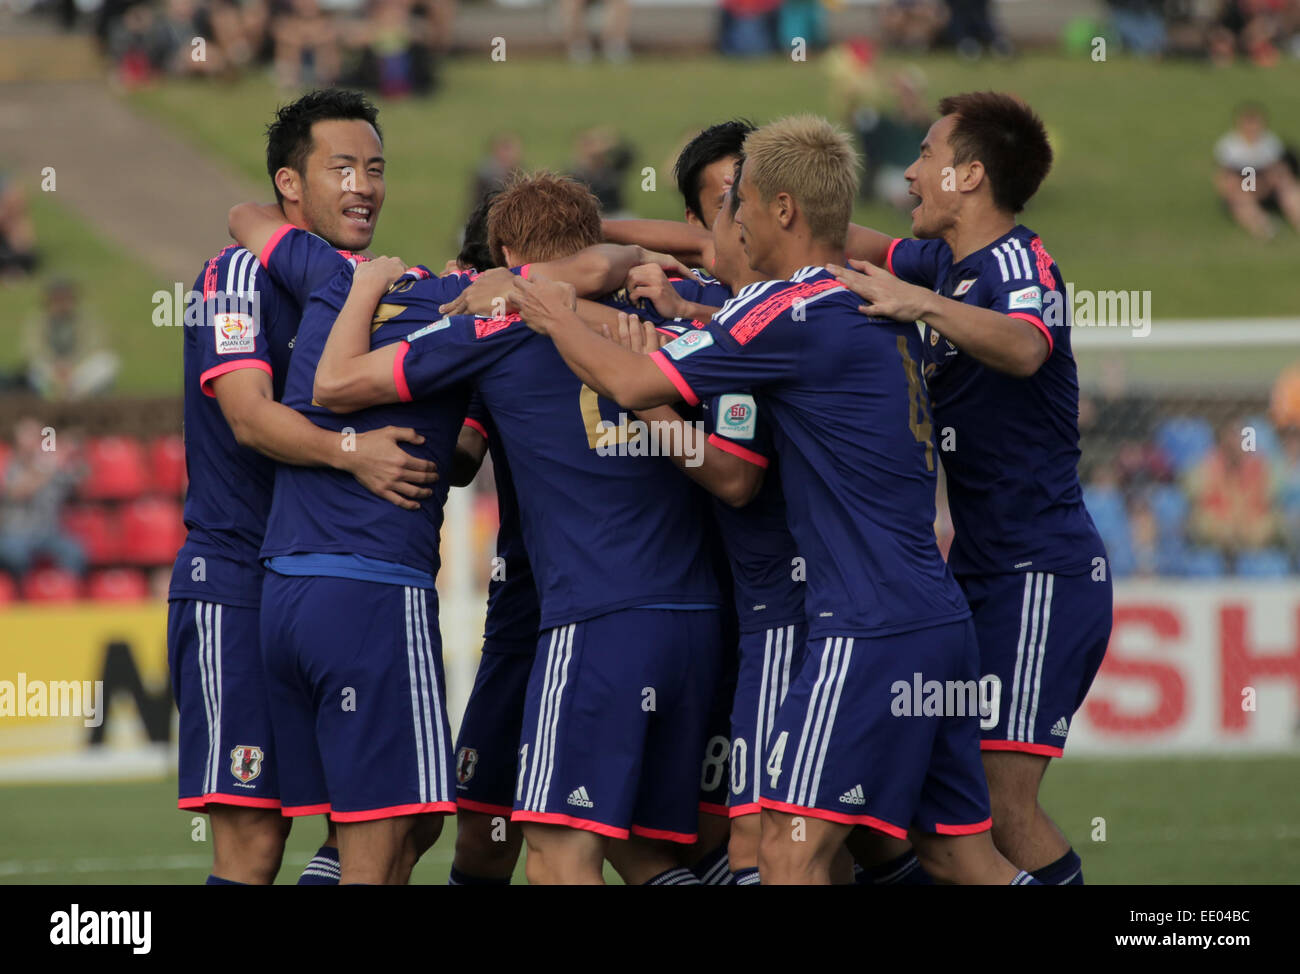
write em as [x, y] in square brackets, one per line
[714, 755]
[523, 766]
[775, 756]
[739, 760]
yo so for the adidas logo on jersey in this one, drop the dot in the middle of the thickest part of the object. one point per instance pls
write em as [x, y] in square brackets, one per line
[580, 797]
[1060, 728]
[854, 796]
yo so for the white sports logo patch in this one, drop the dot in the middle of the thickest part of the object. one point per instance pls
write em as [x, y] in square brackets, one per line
[690, 342]
[235, 333]
[429, 329]
[1030, 297]
[737, 417]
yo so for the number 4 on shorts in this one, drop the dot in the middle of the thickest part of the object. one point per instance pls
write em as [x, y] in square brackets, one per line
[775, 756]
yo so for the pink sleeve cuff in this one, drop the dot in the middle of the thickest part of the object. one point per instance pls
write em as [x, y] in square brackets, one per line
[205, 380]
[735, 449]
[889, 255]
[264, 257]
[523, 271]
[477, 427]
[399, 372]
[675, 377]
[1037, 323]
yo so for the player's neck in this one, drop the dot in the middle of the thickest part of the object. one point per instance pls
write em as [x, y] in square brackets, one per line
[808, 253]
[293, 214]
[966, 236]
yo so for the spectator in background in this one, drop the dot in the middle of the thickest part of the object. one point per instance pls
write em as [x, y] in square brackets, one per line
[971, 29]
[1253, 172]
[1258, 29]
[912, 25]
[504, 159]
[397, 44]
[306, 46]
[613, 33]
[891, 139]
[749, 28]
[1231, 493]
[602, 159]
[1288, 492]
[1140, 25]
[64, 357]
[17, 232]
[37, 484]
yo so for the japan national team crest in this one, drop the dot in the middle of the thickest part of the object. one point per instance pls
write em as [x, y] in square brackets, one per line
[466, 761]
[246, 762]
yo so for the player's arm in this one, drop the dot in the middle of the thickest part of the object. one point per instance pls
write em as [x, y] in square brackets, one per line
[471, 447]
[1009, 344]
[690, 244]
[349, 376]
[863, 243]
[650, 281]
[631, 380]
[253, 225]
[285, 435]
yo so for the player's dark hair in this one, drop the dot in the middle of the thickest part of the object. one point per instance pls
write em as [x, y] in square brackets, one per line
[1004, 134]
[474, 250]
[714, 143]
[288, 137]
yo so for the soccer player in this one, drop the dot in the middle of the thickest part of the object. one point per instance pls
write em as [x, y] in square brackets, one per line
[629, 650]
[1005, 394]
[324, 160]
[850, 418]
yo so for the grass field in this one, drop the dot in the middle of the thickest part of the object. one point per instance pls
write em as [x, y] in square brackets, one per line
[1128, 205]
[1203, 820]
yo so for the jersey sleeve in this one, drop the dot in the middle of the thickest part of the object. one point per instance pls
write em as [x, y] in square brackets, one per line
[915, 261]
[300, 262]
[452, 352]
[734, 426]
[1022, 287]
[232, 317]
[750, 343]
[477, 416]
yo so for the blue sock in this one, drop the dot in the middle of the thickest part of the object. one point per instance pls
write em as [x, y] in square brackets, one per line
[904, 870]
[1024, 879]
[713, 869]
[458, 878]
[1066, 871]
[747, 877]
[679, 876]
[214, 880]
[323, 870]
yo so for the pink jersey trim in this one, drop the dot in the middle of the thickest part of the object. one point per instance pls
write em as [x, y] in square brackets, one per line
[465, 804]
[889, 255]
[206, 378]
[749, 808]
[217, 798]
[293, 811]
[1044, 749]
[479, 428]
[878, 824]
[523, 271]
[675, 377]
[975, 827]
[685, 838]
[552, 818]
[712, 808]
[394, 811]
[735, 449]
[264, 258]
[399, 372]
[1037, 323]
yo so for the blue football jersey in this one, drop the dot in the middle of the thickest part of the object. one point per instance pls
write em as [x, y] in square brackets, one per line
[699, 288]
[606, 526]
[322, 511]
[1010, 446]
[767, 574]
[242, 320]
[852, 432]
[513, 613]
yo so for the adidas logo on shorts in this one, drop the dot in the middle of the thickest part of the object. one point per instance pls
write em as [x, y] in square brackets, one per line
[854, 796]
[580, 797]
[1060, 728]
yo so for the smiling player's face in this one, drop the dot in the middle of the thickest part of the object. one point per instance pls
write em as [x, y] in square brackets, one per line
[343, 185]
[936, 207]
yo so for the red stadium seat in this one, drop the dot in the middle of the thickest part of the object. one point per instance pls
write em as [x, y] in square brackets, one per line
[118, 585]
[167, 461]
[98, 532]
[116, 469]
[8, 590]
[152, 532]
[51, 585]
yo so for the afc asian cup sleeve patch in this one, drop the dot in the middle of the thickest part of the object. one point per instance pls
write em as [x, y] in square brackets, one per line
[737, 417]
[692, 341]
[1026, 299]
[235, 333]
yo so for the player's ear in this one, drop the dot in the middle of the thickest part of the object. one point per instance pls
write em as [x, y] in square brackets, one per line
[693, 220]
[784, 210]
[510, 258]
[973, 177]
[289, 183]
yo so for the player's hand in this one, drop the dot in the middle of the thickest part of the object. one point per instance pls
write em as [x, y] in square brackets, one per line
[665, 262]
[451, 267]
[635, 335]
[540, 301]
[885, 295]
[384, 468]
[650, 281]
[378, 275]
[485, 297]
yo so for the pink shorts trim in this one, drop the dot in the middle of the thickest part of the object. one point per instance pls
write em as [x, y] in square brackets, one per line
[712, 808]
[395, 811]
[293, 811]
[217, 798]
[1046, 750]
[551, 818]
[972, 829]
[205, 380]
[685, 838]
[749, 808]
[878, 824]
[465, 804]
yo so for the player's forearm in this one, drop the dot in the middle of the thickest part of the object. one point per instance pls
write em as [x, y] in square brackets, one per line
[691, 245]
[252, 225]
[863, 243]
[631, 380]
[1006, 344]
[341, 380]
[287, 436]
[717, 471]
[698, 312]
[595, 270]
